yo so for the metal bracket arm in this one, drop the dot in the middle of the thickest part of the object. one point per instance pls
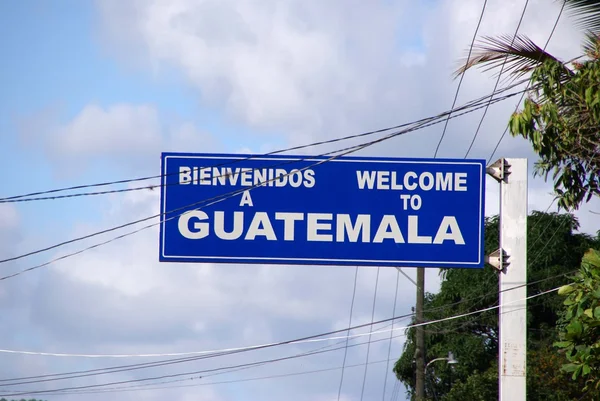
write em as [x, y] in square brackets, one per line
[499, 170]
[498, 259]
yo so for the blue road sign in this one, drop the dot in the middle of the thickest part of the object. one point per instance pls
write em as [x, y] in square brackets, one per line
[233, 208]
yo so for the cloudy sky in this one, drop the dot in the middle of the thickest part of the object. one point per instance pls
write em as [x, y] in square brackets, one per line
[94, 91]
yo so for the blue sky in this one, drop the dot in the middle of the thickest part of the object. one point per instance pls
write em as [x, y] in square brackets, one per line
[293, 73]
[54, 67]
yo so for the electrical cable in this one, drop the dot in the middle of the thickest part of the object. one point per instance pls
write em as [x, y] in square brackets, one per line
[307, 339]
[277, 359]
[128, 368]
[222, 197]
[182, 374]
[140, 388]
[260, 363]
[212, 355]
[14, 198]
[498, 80]
[349, 325]
[461, 77]
[364, 382]
[529, 82]
[390, 345]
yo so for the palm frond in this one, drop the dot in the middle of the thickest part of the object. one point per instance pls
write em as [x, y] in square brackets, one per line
[586, 13]
[591, 45]
[522, 55]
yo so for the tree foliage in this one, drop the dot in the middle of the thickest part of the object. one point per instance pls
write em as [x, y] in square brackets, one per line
[554, 249]
[579, 326]
[561, 114]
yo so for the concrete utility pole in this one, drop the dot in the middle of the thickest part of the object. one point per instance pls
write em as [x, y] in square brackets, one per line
[420, 343]
[511, 261]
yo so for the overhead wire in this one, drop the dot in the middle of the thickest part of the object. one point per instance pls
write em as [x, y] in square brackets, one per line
[349, 325]
[306, 339]
[364, 381]
[214, 354]
[148, 388]
[166, 376]
[259, 363]
[277, 359]
[498, 80]
[219, 198]
[461, 78]
[129, 368]
[390, 344]
[528, 81]
[27, 196]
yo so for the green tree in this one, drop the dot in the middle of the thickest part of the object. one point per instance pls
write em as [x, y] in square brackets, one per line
[554, 249]
[579, 326]
[561, 114]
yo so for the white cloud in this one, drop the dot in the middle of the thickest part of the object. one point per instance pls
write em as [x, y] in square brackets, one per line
[310, 71]
[121, 135]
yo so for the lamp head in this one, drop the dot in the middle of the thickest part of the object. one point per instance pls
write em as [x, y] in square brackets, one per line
[451, 359]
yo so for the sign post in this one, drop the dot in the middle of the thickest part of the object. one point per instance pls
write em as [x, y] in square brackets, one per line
[348, 211]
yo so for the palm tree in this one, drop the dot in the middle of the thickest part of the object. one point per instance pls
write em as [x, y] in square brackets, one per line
[561, 114]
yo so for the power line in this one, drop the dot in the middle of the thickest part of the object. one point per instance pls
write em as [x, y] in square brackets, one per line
[362, 392]
[21, 392]
[219, 198]
[15, 198]
[461, 77]
[349, 325]
[529, 81]
[308, 339]
[498, 80]
[277, 359]
[211, 353]
[263, 362]
[140, 387]
[390, 345]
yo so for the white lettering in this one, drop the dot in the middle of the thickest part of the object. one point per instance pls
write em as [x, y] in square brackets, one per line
[365, 177]
[344, 225]
[295, 178]
[185, 175]
[195, 175]
[395, 184]
[314, 226]
[443, 181]
[246, 180]
[382, 180]
[261, 225]
[413, 232]
[232, 174]
[219, 176]
[246, 199]
[204, 176]
[461, 182]
[238, 226]
[289, 220]
[309, 178]
[388, 221]
[405, 198]
[202, 229]
[454, 234]
[260, 176]
[426, 181]
[281, 177]
[415, 202]
[196, 224]
[407, 184]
